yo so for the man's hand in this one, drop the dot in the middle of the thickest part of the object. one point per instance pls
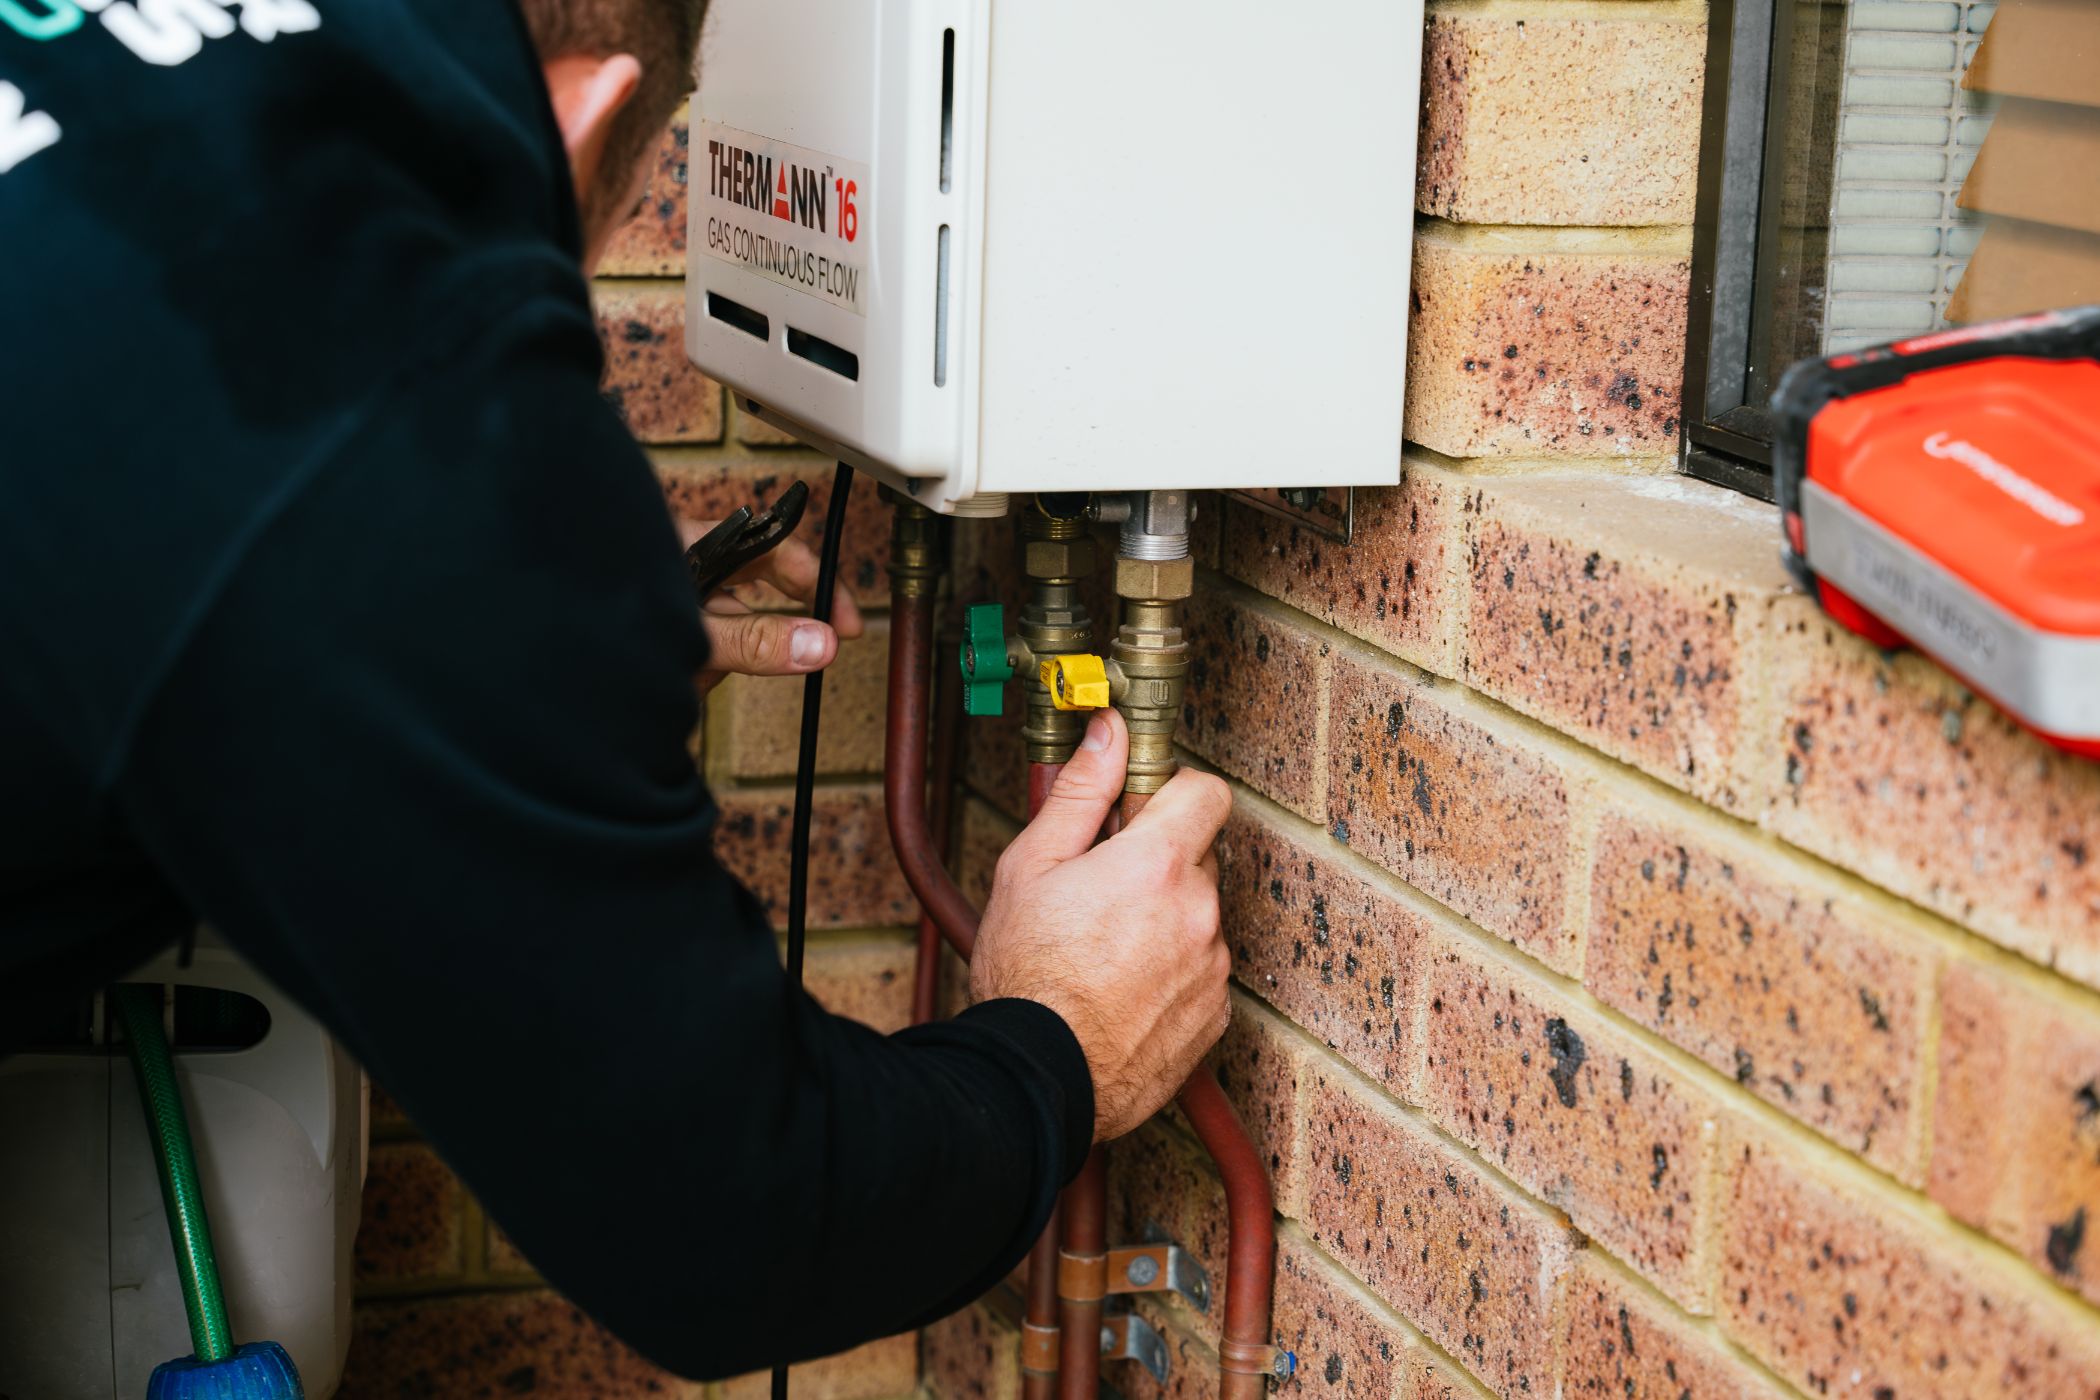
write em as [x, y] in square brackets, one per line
[748, 642]
[1120, 939]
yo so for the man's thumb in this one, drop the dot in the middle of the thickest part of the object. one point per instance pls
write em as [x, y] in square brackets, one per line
[766, 644]
[1078, 803]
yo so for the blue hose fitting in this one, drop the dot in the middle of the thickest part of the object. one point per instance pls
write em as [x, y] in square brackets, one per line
[257, 1371]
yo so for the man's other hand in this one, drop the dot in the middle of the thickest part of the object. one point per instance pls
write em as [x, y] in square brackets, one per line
[748, 641]
[1121, 938]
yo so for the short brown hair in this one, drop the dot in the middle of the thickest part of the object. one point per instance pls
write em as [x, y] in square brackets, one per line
[663, 34]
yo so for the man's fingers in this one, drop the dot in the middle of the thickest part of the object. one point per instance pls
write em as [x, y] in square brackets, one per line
[792, 568]
[1072, 814]
[1187, 813]
[767, 644]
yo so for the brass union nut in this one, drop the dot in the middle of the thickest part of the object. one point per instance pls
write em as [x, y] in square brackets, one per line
[1164, 579]
[1058, 558]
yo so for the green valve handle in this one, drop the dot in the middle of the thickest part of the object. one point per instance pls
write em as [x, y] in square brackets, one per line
[985, 666]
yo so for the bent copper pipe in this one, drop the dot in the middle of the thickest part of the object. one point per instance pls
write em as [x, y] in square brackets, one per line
[947, 725]
[904, 770]
[1244, 1352]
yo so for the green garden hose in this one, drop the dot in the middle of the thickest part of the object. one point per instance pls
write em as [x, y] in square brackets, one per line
[138, 1008]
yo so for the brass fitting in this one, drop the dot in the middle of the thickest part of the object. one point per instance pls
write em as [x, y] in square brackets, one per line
[1165, 579]
[915, 547]
[1056, 552]
[1151, 660]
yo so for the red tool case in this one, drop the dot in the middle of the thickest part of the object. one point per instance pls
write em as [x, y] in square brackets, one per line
[1944, 492]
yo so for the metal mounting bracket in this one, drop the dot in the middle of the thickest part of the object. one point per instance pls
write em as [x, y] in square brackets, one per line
[1128, 1337]
[1159, 1268]
[1327, 511]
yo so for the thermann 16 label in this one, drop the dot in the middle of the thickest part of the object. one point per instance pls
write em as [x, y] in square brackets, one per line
[785, 212]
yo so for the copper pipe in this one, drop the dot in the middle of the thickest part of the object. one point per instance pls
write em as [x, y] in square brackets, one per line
[1084, 1252]
[947, 726]
[904, 770]
[1042, 1317]
[1245, 1351]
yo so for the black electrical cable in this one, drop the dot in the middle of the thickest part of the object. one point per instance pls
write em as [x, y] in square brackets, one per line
[806, 762]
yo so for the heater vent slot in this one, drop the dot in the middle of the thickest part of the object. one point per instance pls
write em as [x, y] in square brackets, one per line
[822, 353]
[947, 107]
[735, 313]
[940, 315]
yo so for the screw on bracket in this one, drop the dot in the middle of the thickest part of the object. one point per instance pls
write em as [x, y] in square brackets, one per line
[1128, 1337]
[1159, 1268]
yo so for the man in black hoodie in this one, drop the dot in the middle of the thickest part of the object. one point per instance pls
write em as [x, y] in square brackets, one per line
[338, 610]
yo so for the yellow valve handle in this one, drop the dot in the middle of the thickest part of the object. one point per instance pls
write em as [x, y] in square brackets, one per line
[1077, 682]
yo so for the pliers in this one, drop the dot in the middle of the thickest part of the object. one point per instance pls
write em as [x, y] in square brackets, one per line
[742, 538]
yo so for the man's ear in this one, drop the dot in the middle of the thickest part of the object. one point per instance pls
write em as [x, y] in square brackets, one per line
[588, 94]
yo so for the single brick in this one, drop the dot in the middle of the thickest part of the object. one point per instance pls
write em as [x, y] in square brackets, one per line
[409, 1228]
[707, 489]
[982, 835]
[1890, 768]
[973, 1355]
[1160, 1186]
[652, 243]
[1261, 1064]
[867, 980]
[1328, 949]
[1388, 586]
[876, 1371]
[854, 881]
[1536, 119]
[1468, 1260]
[535, 1343]
[1623, 610]
[1256, 702]
[2016, 1130]
[1465, 810]
[762, 715]
[1840, 1293]
[1617, 1342]
[1349, 1345]
[1768, 972]
[1576, 1111]
[659, 392]
[1544, 346]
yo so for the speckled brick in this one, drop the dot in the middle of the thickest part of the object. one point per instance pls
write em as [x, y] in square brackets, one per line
[2016, 1131]
[648, 378]
[1524, 347]
[868, 980]
[1161, 1186]
[1323, 946]
[1466, 810]
[1624, 611]
[1261, 1064]
[761, 716]
[1620, 1342]
[1577, 1111]
[973, 1355]
[854, 881]
[981, 836]
[1538, 119]
[709, 488]
[1468, 1260]
[877, 1371]
[481, 1348]
[1889, 767]
[1348, 1344]
[1842, 1294]
[1388, 586]
[1256, 703]
[652, 243]
[409, 1228]
[1804, 993]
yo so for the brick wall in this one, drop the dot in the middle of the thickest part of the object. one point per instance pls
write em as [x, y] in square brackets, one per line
[1643, 989]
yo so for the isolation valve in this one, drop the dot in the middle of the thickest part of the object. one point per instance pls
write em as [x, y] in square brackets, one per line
[986, 667]
[1076, 681]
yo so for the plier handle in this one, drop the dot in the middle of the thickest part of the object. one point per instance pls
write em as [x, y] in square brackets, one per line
[743, 537]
